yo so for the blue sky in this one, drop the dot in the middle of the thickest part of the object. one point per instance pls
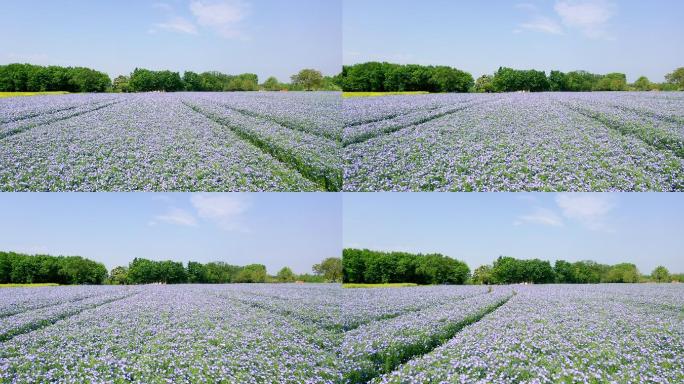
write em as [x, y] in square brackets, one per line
[275, 229]
[642, 228]
[267, 37]
[630, 36]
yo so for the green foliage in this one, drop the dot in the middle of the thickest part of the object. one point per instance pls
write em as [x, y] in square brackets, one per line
[512, 80]
[388, 77]
[611, 82]
[676, 78]
[372, 267]
[35, 78]
[272, 84]
[483, 275]
[285, 275]
[485, 84]
[121, 84]
[622, 273]
[330, 269]
[643, 84]
[253, 273]
[508, 270]
[661, 275]
[308, 79]
[26, 269]
[118, 276]
[197, 272]
[144, 80]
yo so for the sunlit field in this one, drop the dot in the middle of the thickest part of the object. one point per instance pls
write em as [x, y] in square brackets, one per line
[19, 94]
[294, 333]
[598, 141]
[172, 142]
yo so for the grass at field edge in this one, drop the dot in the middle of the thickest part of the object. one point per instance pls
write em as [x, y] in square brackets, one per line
[348, 95]
[389, 285]
[28, 285]
[23, 94]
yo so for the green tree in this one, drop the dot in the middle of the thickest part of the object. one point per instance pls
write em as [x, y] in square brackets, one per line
[483, 275]
[622, 273]
[120, 84]
[197, 273]
[484, 84]
[119, 276]
[676, 78]
[308, 79]
[642, 84]
[660, 274]
[253, 273]
[285, 275]
[272, 84]
[330, 269]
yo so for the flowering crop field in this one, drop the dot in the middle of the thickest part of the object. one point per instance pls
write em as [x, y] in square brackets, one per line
[515, 142]
[172, 142]
[289, 333]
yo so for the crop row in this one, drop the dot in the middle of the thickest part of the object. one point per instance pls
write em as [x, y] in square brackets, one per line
[514, 143]
[557, 335]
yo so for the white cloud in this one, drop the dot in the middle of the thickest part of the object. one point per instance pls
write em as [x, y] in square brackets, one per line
[590, 209]
[589, 16]
[540, 216]
[223, 209]
[224, 16]
[176, 24]
[176, 216]
[543, 24]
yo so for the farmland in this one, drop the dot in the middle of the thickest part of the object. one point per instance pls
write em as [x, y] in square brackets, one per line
[326, 334]
[171, 142]
[515, 142]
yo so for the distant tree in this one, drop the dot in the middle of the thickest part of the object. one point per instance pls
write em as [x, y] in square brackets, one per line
[120, 84]
[622, 273]
[272, 84]
[642, 84]
[192, 82]
[119, 276]
[484, 84]
[558, 81]
[197, 273]
[308, 79]
[661, 275]
[285, 275]
[611, 82]
[254, 273]
[483, 275]
[330, 269]
[676, 78]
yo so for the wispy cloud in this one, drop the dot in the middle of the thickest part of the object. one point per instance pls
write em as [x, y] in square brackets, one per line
[225, 210]
[542, 24]
[224, 17]
[176, 24]
[590, 209]
[589, 16]
[540, 216]
[176, 216]
[537, 22]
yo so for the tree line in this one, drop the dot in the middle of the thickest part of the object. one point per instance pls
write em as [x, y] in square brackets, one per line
[373, 267]
[144, 271]
[17, 268]
[389, 77]
[36, 78]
